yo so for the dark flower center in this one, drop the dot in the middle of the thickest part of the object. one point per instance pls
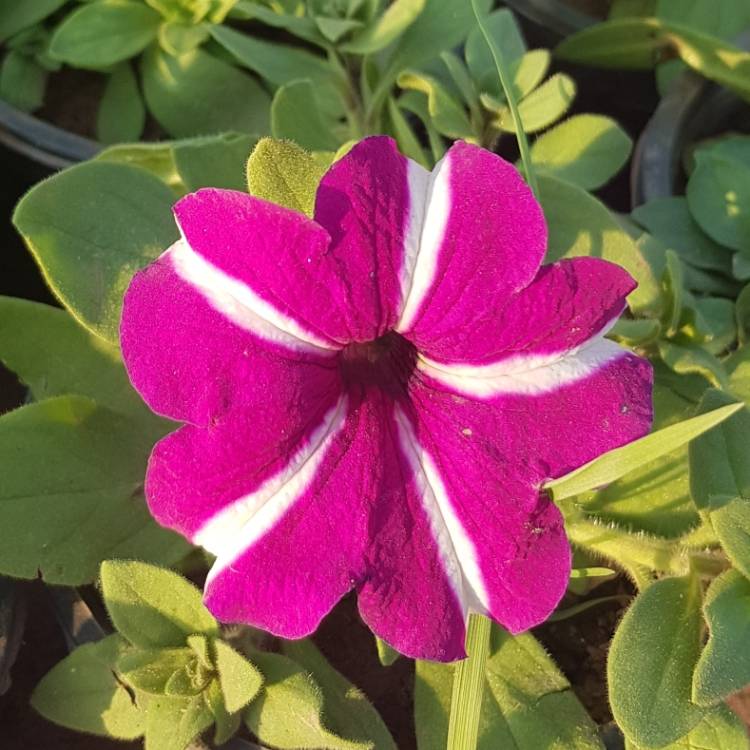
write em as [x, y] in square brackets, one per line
[387, 362]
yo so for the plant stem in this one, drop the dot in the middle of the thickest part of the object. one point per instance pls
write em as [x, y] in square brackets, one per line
[523, 143]
[468, 687]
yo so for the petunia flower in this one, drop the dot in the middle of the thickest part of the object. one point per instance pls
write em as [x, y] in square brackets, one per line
[373, 399]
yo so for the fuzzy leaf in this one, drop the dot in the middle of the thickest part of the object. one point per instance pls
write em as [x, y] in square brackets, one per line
[718, 459]
[288, 712]
[56, 357]
[387, 28]
[111, 219]
[285, 174]
[724, 665]
[77, 470]
[153, 607]
[651, 662]
[173, 723]
[347, 710]
[543, 106]
[82, 693]
[240, 681]
[149, 670]
[22, 81]
[213, 161]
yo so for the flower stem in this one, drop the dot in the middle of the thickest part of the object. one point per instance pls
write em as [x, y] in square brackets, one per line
[523, 143]
[468, 687]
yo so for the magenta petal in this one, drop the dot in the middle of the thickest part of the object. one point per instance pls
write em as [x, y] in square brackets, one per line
[566, 305]
[353, 520]
[365, 202]
[193, 362]
[482, 240]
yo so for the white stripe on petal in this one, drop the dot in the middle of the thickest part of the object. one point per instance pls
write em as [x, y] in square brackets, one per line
[238, 526]
[525, 375]
[457, 551]
[430, 202]
[239, 303]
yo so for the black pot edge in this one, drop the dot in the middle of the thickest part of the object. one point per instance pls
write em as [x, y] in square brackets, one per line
[42, 142]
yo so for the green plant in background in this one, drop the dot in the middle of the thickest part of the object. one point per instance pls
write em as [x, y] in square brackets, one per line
[670, 511]
[669, 35]
[169, 673]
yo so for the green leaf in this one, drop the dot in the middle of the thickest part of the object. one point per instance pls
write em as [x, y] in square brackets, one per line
[82, 693]
[347, 710]
[724, 665]
[198, 94]
[173, 723]
[121, 114]
[22, 81]
[543, 106]
[288, 712]
[639, 43]
[240, 681]
[398, 16]
[153, 607]
[76, 470]
[408, 141]
[448, 115]
[719, 195]
[213, 161]
[300, 26]
[97, 35]
[296, 116]
[669, 220]
[579, 225]
[281, 64]
[528, 704]
[156, 158]
[656, 496]
[111, 219]
[702, 16]
[504, 29]
[226, 724]
[731, 521]
[179, 38]
[651, 662]
[15, 16]
[439, 27]
[527, 72]
[187, 681]
[692, 358]
[618, 462]
[387, 655]
[718, 458]
[587, 150]
[285, 174]
[55, 356]
[720, 729]
[334, 29]
[149, 670]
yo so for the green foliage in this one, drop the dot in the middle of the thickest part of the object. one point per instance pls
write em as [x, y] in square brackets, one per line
[153, 607]
[97, 35]
[579, 225]
[199, 93]
[82, 692]
[620, 461]
[281, 172]
[121, 114]
[528, 704]
[651, 662]
[71, 492]
[724, 665]
[587, 150]
[112, 218]
[297, 116]
[56, 357]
